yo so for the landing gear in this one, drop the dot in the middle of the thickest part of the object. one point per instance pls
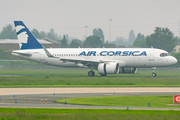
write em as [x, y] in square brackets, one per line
[153, 73]
[91, 73]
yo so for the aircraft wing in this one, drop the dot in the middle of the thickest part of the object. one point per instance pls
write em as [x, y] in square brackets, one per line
[79, 60]
[89, 62]
[86, 62]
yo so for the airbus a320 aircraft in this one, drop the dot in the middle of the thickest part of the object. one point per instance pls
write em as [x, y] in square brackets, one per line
[104, 60]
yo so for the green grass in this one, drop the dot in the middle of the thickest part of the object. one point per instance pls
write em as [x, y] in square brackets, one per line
[79, 78]
[85, 114]
[44, 71]
[75, 81]
[131, 101]
[81, 72]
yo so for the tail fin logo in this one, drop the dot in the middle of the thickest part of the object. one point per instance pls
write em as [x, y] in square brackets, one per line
[25, 38]
[22, 35]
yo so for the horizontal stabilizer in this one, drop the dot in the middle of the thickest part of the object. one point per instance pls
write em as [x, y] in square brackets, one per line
[22, 54]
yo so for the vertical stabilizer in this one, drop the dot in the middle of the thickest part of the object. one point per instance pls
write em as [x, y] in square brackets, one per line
[25, 37]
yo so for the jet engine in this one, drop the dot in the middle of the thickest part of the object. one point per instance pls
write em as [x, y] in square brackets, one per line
[127, 70]
[108, 68]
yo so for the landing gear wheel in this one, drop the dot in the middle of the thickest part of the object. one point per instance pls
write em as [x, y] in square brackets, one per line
[103, 74]
[154, 74]
[91, 73]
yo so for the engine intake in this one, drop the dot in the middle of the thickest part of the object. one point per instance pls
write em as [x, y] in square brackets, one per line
[108, 68]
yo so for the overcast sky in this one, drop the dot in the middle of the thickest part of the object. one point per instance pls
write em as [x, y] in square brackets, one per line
[71, 16]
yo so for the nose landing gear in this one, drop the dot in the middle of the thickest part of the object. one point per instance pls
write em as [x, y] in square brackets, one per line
[153, 73]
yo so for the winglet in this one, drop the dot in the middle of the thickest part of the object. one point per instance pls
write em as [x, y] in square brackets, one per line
[47, 52]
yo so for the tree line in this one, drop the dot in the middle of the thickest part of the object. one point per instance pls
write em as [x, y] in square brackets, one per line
[162, 38]
[93, 41]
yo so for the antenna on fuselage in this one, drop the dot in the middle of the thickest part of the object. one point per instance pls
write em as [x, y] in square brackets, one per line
[152, 47]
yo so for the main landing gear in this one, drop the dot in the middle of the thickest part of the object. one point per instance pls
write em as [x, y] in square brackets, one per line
[91, 73]
[153, 73]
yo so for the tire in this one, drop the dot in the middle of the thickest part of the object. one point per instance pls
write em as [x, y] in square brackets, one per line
[91, 73]
[154, 74]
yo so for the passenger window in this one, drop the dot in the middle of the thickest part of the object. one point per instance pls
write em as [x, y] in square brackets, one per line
[163, 54]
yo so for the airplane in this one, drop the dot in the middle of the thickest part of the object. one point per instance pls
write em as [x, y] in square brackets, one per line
[104, 60]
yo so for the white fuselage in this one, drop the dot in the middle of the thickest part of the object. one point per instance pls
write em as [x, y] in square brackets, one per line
[132, 57]
[105, 60]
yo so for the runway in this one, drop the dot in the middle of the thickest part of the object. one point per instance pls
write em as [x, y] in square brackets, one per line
[31, 97]
[63, 106]
[25, 91]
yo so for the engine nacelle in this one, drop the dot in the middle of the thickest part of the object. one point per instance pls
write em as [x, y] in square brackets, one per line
[108, 68]
[127, 70]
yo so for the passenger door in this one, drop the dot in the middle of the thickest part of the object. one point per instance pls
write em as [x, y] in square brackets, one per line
[151, 55]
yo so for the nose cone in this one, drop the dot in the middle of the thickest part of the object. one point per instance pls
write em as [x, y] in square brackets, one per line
[173, 60]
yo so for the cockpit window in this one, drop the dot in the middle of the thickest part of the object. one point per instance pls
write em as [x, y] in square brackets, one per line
[163, 54]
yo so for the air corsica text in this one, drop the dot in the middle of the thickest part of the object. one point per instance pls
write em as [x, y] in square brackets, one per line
[114, 53]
